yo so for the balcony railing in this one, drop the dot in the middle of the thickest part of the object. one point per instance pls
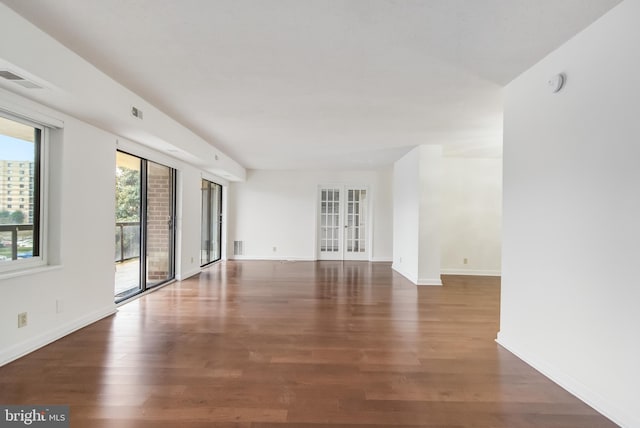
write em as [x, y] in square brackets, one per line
[17, 237]
[127, 240]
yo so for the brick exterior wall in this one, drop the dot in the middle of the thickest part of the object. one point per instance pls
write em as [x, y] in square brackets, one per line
[158, 216]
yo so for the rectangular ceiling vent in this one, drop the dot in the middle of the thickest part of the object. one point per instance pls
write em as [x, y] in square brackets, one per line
[19, 80]
[136, 112]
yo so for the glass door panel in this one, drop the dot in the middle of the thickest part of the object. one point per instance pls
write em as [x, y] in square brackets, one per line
[211, 240]
[216, 222]
[159, 224]
[128, 225]
[330, 233]
[356, 226]
[205, 230]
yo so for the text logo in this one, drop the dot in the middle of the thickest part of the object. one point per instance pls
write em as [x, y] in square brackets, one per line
[34, 416]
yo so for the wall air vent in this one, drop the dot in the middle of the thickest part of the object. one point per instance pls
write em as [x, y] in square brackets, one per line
[238, 248]
[19, 80]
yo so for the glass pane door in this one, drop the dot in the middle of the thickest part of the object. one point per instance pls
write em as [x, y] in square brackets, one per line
[356, 224]
[128, 225]
[330, 220]
[159, 223]
[211, 246]
[343, 223]
[205, 230]
[216, 222]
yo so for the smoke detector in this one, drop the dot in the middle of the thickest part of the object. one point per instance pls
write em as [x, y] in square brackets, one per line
[556, 82]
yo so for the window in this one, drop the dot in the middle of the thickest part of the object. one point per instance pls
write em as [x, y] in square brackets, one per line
[21, 227]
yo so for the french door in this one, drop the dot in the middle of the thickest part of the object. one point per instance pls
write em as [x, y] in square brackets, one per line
[145, 213]
[343, 223]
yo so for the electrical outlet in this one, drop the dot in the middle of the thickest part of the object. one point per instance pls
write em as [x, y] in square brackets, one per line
[465, 261]
[275, 249]
[22, 319]
[59, 306]
[400, 259]
[191, 260]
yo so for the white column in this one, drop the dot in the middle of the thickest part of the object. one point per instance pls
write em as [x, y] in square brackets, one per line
[416, 205]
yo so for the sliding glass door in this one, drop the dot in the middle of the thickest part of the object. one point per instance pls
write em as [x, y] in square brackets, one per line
[211, 223]
[145, 210]
[128, 225]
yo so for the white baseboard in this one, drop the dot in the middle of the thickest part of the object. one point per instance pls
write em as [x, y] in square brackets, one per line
[572, 385]
[475, 272]
[381, 259]
[282, 259]
[414, 280]
[429, 281]
[302, 259]
[187, 275]
[417, 281]
[23, 348]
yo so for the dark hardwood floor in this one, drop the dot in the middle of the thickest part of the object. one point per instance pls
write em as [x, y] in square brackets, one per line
[275, 344]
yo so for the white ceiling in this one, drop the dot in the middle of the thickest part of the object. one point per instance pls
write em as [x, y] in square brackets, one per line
[288, 84]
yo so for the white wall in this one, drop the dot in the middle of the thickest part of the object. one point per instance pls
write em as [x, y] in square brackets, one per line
[278, 209]
[416, 215]
[471, 216]
[81, 199]
[570, 292]
[406, 214]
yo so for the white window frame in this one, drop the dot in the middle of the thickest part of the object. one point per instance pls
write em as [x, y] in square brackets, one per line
[13, 267]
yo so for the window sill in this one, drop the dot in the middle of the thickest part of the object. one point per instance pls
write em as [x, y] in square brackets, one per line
[28, 271]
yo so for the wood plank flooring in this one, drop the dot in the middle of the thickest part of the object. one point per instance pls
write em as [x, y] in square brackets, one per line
[297, 344]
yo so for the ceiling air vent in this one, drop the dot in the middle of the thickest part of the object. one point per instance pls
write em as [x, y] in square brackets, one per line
[19, 80]
[6, 74]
